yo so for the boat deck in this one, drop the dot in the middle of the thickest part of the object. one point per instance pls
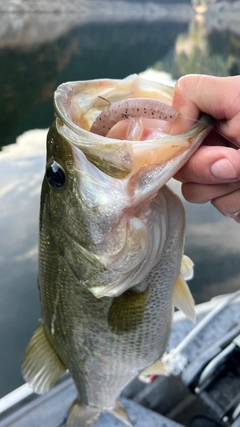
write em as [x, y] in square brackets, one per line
[22, 408]
[49, 411]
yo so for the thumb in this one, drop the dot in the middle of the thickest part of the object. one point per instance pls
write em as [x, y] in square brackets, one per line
[211, 164]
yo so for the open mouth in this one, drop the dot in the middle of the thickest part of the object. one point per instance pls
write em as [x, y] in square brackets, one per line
[120, 125]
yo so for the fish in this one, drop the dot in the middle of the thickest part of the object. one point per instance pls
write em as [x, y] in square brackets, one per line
[111, 241]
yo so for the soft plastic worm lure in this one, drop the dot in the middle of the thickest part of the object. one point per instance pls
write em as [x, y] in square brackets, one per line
[128, 108]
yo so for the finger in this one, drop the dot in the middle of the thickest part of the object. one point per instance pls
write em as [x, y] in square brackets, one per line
[216, 138]
[200, 193]
[229, 205]
[211, 165]
[217, 96]
[231, 129]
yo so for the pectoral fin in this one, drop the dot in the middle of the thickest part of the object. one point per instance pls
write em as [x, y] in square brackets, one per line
[156, 369]
[126, 312]
[41, 365]
[182, 298]
[187, 268]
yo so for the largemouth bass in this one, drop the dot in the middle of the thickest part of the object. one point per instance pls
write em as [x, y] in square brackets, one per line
[111, 264]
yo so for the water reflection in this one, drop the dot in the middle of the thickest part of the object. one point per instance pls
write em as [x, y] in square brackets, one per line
[35, 62]
[86, 52]
[21, 171]
[203, 49]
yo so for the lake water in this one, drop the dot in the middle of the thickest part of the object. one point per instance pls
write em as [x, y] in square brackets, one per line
[39, 52]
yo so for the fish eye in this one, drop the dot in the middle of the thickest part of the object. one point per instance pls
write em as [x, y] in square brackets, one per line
[55, 175]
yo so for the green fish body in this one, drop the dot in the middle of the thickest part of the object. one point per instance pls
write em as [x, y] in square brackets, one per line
[111, 264]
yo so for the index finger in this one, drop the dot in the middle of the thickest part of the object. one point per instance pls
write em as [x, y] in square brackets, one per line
[217, 96]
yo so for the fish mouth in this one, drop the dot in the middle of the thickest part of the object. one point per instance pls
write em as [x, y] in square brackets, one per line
[79, 106]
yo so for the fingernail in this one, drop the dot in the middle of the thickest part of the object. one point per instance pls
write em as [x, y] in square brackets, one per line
[223, 169]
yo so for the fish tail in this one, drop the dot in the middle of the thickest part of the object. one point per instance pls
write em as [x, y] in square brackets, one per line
[119, 412]
[82, 415]
[85, 416]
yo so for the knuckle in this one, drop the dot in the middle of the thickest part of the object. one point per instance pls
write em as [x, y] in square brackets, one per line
[191, 193]
[228, 205]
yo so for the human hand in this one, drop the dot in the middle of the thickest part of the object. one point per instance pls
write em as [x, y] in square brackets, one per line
[213, 172]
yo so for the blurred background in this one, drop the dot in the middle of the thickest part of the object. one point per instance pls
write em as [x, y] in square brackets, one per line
[43, 44]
